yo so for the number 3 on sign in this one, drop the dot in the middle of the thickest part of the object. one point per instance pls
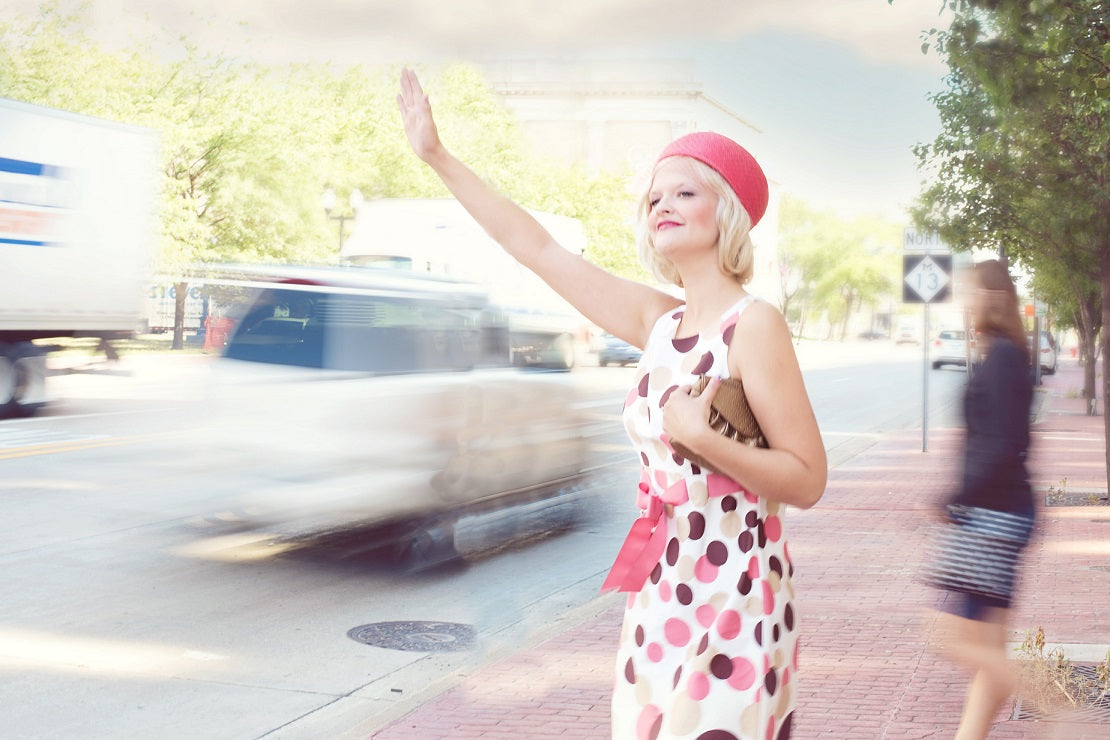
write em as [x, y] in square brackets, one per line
[927, 278]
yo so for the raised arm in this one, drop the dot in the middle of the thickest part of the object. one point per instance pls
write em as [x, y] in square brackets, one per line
[624, 307]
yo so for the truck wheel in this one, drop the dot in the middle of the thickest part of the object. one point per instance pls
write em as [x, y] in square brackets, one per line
[7, 381]
[429, 543]
[564, 348]
[29, 375]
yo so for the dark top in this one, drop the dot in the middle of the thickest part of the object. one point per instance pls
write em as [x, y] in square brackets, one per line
[996, 412]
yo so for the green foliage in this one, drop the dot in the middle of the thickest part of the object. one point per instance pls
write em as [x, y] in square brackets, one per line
[832, 266]
[1023, 160]
[248, 150]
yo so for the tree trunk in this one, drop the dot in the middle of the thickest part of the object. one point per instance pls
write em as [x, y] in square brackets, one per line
[1105, 265]
[847, 317]
[1088, 328]
[1088, 353]
[802, 318]
[181, 291]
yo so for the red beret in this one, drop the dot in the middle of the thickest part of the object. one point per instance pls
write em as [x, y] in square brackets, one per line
[732, 161]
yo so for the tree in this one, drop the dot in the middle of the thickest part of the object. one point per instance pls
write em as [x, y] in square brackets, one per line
[248, 150]
[1076, 301]
[1022, 165]
[832, 264]
[802, 257]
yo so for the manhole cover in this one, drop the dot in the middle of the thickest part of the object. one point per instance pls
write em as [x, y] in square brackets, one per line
[418, 637]
[1092, 699]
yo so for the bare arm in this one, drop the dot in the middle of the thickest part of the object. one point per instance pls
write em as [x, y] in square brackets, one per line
[795, 469]
[624, 307]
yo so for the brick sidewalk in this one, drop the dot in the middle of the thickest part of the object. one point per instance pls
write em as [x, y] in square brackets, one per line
[866, 668]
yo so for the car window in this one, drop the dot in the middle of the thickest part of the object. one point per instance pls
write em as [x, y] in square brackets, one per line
[952, 335]
[1047, 340]
[370, 333]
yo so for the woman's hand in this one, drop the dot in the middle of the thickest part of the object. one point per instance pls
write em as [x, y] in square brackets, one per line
[686, 416]
[416, 115]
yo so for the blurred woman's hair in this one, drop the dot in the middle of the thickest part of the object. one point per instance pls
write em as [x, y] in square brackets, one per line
[735, 250]
[999, 313]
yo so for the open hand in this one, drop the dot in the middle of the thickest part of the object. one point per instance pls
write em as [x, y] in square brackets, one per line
[686, 415]
[416, 115]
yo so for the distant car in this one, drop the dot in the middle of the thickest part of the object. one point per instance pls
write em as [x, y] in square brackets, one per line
[952, 347]
[616, 351]
[869, 335]
[1048, 351]
[908, 333]
[356, 397]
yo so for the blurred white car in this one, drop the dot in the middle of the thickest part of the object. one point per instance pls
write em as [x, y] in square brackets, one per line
[908, 333]
[1047, 353]
[952, 347]
[356, 396]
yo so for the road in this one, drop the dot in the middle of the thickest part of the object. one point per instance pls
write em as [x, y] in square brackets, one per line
[136, 605]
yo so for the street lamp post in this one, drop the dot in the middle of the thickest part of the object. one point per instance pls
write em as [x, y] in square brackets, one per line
[355, 200]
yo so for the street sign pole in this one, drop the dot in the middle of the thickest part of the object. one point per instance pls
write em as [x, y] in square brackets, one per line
[925, 378]
[926, 278]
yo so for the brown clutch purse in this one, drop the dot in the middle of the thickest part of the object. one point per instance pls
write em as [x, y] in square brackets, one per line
[730, 415]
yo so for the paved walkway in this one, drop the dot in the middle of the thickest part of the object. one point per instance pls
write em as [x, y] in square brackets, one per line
[866, 667]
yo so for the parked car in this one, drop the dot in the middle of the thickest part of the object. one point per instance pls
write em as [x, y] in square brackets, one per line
[908, 333]
[616, 351]
[359, 396]
[952, 347]
[1048, 351]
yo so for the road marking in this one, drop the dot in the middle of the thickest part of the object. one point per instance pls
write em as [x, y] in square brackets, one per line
[8, 452]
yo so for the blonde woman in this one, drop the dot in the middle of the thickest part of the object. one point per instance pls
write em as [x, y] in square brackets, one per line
[708, 648]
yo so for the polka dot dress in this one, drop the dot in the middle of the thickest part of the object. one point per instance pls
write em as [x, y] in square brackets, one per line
[709, 645]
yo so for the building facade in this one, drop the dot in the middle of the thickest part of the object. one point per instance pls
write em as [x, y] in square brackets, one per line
[616, 115]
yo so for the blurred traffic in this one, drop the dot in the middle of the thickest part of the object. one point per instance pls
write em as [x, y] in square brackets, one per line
[365, 396]
[615, 351]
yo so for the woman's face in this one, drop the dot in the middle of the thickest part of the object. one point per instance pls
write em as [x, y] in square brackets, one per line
[683, 215]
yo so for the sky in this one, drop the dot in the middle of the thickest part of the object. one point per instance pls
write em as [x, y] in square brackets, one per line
[838, 88]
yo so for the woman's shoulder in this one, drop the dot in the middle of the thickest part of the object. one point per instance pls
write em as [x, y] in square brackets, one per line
[758, 315]
[761, 331]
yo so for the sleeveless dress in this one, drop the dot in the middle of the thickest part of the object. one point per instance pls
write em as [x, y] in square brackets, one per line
[708, 650]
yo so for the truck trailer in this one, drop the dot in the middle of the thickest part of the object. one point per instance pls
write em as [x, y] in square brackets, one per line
[76, 237]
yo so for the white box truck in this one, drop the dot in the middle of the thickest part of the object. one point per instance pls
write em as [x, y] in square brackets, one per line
[76, 237]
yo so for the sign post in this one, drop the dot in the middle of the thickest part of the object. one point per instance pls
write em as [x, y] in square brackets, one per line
[927, 279]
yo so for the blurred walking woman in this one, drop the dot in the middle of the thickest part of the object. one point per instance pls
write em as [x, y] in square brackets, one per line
[710, 630]
[996, 410]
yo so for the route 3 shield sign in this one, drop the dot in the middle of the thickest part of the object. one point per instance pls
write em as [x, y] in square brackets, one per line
[927, 278]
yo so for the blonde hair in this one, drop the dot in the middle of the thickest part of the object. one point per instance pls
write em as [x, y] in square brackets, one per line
[735, 250]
